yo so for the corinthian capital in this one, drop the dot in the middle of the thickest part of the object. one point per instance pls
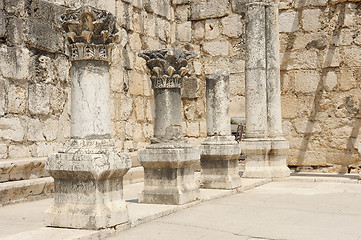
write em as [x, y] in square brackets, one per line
[90, 33]
[168, 67]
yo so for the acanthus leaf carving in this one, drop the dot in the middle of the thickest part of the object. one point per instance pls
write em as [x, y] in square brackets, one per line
[91, 33]
[168, 67]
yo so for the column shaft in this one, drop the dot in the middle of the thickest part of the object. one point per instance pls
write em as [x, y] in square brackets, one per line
[217, 97]
[220, 151]
[168, 112]
[90, 110]
[256, 97]
[273, 72]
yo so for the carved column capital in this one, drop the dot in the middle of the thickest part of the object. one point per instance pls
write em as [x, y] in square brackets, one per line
[90, 33]
[168, 67]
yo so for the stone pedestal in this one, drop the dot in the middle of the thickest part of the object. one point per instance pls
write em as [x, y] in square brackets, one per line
[219, 163]
[359, 150]
[169, 161]
[169, 173]
[88, 179]
[264, 147]
[265, 158]
[219, 151]
[88, 172]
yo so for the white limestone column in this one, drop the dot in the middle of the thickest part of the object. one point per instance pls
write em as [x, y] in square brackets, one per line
[90, 109]
[169, 161]
[219, 151]
[273, 72]
[256, 96]
[88, 171]
[168, 113]
[217, 101]
[359, 150]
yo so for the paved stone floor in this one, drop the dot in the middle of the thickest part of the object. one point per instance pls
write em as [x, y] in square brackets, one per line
[300, 207]
[278, 210]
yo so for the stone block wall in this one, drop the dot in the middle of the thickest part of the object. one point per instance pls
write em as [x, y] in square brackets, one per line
[321, 80]
[320, 72]
[34, 85]
[215, 30]
[34, 79]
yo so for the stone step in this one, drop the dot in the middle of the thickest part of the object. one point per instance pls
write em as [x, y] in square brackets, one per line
[25, 190]
[22, 169]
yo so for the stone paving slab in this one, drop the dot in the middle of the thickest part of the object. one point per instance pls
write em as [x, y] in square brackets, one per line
[26, 220]
[300, 207]
[292, 210]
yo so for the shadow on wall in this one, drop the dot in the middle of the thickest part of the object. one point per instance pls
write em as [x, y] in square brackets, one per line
[320, 91]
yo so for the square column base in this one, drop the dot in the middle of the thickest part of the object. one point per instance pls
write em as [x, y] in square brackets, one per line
[219, 163]
[169, 174]
[265, 158]
[359, 150]
[88, 186]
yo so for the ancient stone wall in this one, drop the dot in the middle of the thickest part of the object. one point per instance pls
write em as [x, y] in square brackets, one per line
[321, 80]
[34, 85]
[320, 70]
[34, 80]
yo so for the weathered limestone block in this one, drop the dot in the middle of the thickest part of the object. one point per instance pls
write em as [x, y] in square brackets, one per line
[88, 172]
[88, 178]
[11, 129]
[190, 88]
[209, 9]
[39, 99]
[3, 152]
[266, 158]
[219, 157]
[2, 23]
[289, 21]
[169, 173]
[219, 163]
[169, 161]
[159, 7]
[311, 19]
[232, 26]
[14, 62]
[41, 36]
[217, 48]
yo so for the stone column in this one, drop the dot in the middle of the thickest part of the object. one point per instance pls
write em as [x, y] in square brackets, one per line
[264, 146]
[359, 150]
[219, 151]
[169, 161]
[88, 171]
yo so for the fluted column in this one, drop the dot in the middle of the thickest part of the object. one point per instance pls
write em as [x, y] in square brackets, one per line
[88, 172]
[169, 161]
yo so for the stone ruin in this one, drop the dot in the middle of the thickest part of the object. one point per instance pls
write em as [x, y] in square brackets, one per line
[112, 102]
[169, 161]
[88, 171]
